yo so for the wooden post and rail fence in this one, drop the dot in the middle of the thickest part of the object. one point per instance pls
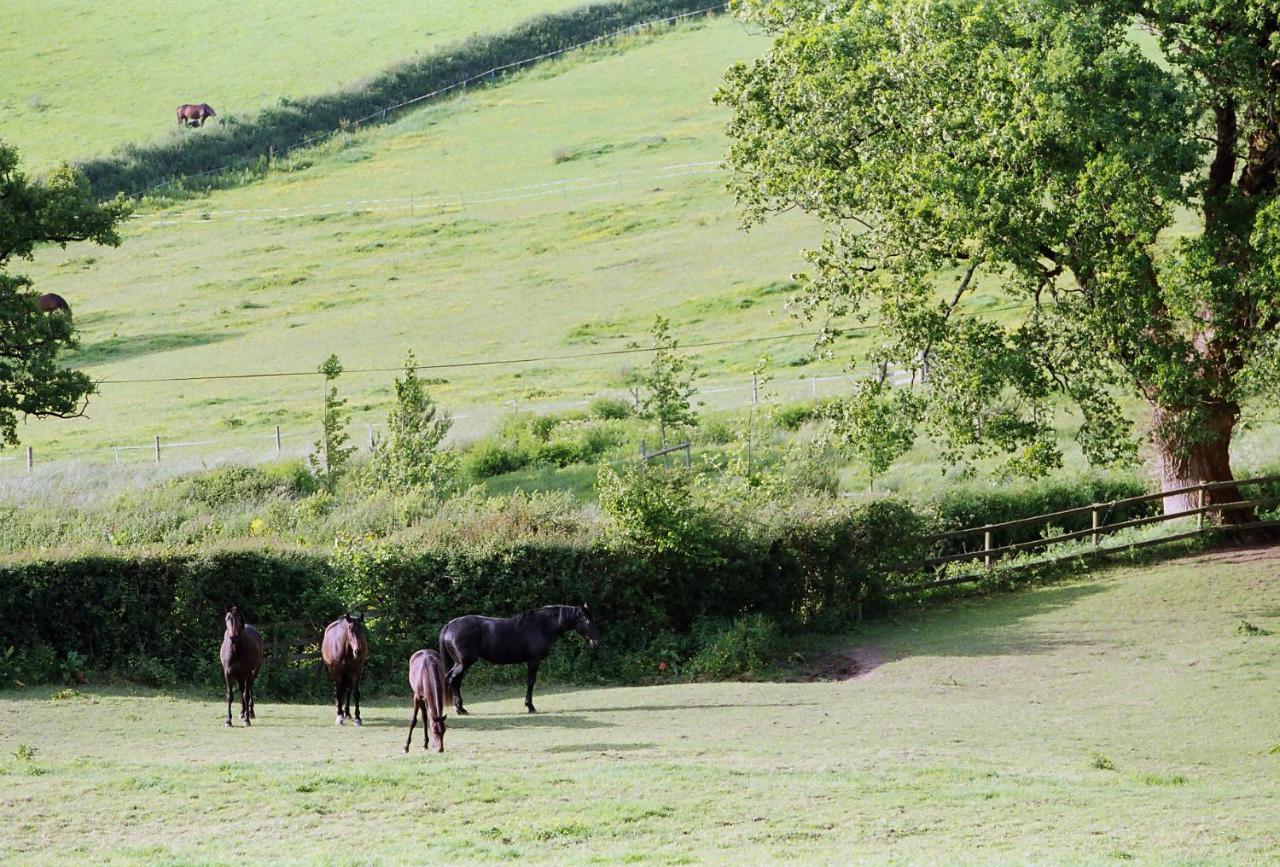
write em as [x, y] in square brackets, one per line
[989, 554]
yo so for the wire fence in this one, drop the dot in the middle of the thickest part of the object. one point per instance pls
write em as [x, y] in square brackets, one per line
[488, 76]
[470, 423]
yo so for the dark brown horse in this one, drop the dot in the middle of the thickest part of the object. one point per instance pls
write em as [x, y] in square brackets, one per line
[524, 638]
[241, 661]
[195, 115]
[345, 648]
[50, 302]
[426, 679]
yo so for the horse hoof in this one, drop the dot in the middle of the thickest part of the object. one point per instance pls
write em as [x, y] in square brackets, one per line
[462, 712]
[228, 722]
[339, 721]
[406, 748]
[358, 721]
[531, 709]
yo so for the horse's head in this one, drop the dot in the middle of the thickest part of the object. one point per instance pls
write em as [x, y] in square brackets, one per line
[235, 623]
[437, 733]
[356, 638]
[586, 626]
[208, 110]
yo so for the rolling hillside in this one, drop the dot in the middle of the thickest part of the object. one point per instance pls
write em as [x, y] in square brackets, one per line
[81, 78]
[556, 213]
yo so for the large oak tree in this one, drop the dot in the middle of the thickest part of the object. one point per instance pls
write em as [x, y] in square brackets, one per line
[1110, 165]
[59, 209]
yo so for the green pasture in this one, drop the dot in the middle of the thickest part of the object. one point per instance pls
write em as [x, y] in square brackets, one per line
[82, 78]
[556, 213]
[1128, 715]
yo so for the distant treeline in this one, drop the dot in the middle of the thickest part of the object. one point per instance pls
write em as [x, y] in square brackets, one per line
[243, 141]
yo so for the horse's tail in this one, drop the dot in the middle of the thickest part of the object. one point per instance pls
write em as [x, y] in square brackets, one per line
[447, 662]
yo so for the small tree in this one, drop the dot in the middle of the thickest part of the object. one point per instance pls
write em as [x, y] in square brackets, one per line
[58, 210]
[668, 384]
[332, 449]
[875, 425]
[410, 456]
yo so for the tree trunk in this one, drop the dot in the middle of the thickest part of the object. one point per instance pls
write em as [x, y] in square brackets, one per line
[1202, 458]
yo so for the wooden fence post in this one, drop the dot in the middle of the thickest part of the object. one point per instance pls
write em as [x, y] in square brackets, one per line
[1096, 524]
[30, 459]
[157, 448]
[279, 445]
[1200, 505]
[986, 548]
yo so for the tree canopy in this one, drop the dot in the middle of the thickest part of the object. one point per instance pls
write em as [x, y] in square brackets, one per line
[60, 209]
[1111, 166]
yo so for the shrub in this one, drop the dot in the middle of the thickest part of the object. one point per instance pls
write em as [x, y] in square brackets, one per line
[611, 408]
[740, 648]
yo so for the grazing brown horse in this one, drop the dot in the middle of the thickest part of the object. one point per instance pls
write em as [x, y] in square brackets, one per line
[50, 302]
[195, 115]
[426, 679]
[345, 648]
[241, 661]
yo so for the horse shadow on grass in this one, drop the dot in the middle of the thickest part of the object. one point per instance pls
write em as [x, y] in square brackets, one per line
[516, 721]
[600, 748]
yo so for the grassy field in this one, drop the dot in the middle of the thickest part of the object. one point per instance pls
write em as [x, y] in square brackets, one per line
[448, 234]
[83, 78]
[1125, 715]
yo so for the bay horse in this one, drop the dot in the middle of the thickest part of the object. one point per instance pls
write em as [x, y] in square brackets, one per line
[195, 115]
[527, 638]
[345, 647]
[426, 680]
[241, 661]
[50, 302]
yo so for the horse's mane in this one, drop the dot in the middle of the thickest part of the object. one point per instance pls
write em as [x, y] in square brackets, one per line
[520, 618]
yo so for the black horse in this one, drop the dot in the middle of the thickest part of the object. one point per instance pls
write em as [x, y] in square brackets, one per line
[526, 638]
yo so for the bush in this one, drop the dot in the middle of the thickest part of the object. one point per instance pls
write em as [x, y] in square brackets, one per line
[967, 506]
[741, 648]
[156, 617]
[611, 408]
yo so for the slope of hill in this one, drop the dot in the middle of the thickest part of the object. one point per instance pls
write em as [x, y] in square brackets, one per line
[83, 78]
[556, 213]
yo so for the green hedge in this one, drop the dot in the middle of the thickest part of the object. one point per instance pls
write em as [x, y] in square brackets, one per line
[973, 506]
[134, 169]
[162, 612]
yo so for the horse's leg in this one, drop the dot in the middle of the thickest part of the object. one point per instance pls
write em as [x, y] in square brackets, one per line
[227, 676]
[337, 696]
[413, 722]
[356, 688]
[528, 693]
[253, 695]
[456, 674]
[244, 701]
[347, 683]
[427, 722]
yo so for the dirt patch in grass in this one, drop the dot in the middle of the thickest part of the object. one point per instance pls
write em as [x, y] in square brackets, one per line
[846, 664]
[1247, 554]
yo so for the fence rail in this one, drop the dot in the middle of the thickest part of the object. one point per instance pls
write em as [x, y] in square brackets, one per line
[989, 554]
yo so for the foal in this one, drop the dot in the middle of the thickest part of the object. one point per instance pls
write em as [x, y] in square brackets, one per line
[241, 661]
[426, 679]
[345, 648]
